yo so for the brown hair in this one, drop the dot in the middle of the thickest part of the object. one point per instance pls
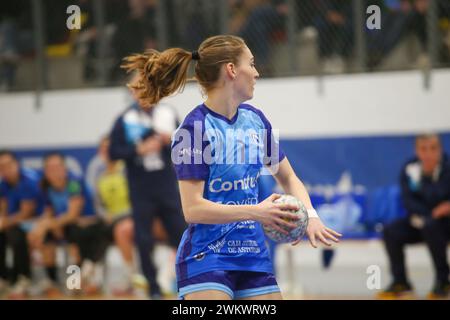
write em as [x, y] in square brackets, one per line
[427, 136]
[164, 73]
[44, 183]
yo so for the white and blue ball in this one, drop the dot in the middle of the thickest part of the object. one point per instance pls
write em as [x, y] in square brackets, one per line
[302, 223]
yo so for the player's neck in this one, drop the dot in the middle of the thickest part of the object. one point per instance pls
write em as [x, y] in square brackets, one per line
[111, 166]
[59, 184]
[222, 102]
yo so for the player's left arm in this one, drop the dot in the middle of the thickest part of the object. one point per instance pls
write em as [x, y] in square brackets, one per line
[27, 207]
[26, 211]
[3, 213]
[3, 207]
[74, 209]
[292, 185]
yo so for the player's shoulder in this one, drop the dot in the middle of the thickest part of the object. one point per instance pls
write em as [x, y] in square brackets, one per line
[253, 110]
[255, 113]
[411, 162]
[130, 114]
[29, 180]
[445, 166]
[249, 107]
[197, 114]
[75, 183]
[30, 175]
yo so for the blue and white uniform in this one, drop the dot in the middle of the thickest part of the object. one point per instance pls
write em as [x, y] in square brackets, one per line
[228, 154]
[27, 189]
[75, 186]
[151, 180]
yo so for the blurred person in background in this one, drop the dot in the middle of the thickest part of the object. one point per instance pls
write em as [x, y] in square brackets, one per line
[69, 215]
[9, 57]
[20, 199]
[87, 39]
[259, 22]
[425, 187]
[402, 18]
[335, 29]
[55, 22]
[141, 136]
[306, 11]
[112, 203]
[135, 32]
[16, 39]
[196, 27]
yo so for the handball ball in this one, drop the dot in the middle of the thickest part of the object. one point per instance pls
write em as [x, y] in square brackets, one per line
[302, 223]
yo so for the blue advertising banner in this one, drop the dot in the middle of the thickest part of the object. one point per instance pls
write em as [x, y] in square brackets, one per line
[352, 181]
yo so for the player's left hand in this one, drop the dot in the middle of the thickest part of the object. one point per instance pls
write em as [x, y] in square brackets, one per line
[442, 210]
[316, 230]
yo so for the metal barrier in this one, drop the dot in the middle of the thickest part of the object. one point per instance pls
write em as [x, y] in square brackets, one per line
[287, 37]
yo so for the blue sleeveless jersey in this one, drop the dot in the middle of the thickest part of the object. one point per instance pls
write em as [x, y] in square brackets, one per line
[59, 200]
[228, 155]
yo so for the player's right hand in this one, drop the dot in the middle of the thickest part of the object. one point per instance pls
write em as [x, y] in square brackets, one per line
[150, 145]
[276, 215]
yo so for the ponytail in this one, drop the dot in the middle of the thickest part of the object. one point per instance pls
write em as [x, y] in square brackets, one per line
[160, 74]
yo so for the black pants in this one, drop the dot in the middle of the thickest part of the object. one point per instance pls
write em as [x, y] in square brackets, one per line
[16, 238]
[435, 233]
[3, 269]
[145, 209]
[91, 240]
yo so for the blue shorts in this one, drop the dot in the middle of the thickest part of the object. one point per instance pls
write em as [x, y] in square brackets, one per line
[237, 284]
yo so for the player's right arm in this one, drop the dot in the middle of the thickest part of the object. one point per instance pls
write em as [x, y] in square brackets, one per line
[3, 213]
[197, 209]
[409, 197]
[119, 148]
[43, 225]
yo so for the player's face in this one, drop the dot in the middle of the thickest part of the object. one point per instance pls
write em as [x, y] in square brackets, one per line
[133, 81]
[246, 75]
[135, 92]
[9, 168]
[429, 152]
[55, 171]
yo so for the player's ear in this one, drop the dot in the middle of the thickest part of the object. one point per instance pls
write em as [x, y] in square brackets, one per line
[230, 70]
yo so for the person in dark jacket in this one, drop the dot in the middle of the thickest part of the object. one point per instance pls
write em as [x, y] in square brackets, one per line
[425, 188]
[141, 137]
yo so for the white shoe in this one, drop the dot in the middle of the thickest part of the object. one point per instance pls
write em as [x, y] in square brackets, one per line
[91, 275]
[139, 281]
[87, 269]
[334, 65]
[46, 287]
[309, 33]
[140, 286]
[422, 62]
[21, 288]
